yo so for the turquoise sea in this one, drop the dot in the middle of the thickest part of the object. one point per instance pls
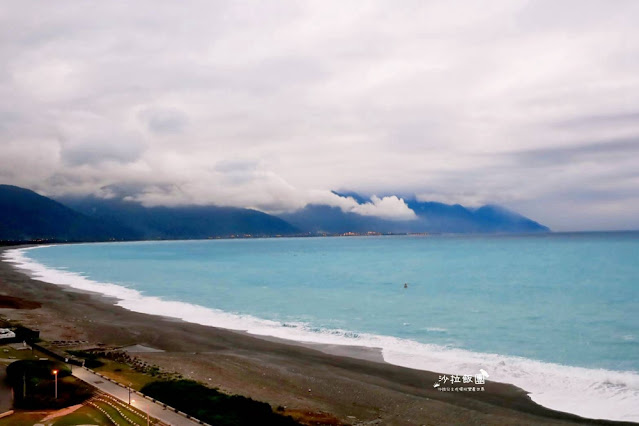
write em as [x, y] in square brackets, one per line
[556, 314]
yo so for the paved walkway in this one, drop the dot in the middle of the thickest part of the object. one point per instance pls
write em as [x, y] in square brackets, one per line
[154, 409]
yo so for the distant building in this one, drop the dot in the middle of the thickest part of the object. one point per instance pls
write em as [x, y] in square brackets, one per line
[5, 333]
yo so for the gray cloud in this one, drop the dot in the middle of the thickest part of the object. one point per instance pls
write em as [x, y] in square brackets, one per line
[598, 120]
[585, 152]
[271, 105]
[92, 152]
[164, 120]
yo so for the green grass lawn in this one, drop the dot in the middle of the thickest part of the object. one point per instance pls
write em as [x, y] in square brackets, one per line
[86, 415]
[118, 418]
[112, 412]
[124, 374]
[139, 419]
[9, 353]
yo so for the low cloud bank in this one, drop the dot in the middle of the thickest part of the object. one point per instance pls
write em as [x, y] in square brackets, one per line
[391, 207]
[270, 201]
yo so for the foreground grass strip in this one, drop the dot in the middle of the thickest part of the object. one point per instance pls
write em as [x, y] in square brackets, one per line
[124, 412]
[22, 418]
[107, 411]
[87, 415]
[135, 414]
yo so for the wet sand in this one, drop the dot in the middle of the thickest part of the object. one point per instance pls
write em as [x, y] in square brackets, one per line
[352, 385]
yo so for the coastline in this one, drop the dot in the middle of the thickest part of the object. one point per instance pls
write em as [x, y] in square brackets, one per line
[353, 384]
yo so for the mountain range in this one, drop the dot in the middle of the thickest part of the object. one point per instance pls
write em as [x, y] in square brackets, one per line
[180, 222]
[28, 216]
[431, 217]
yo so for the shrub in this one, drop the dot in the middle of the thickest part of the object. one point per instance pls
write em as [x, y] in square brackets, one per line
[213, 406]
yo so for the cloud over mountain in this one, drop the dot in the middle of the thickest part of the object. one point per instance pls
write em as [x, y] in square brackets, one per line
[271, 105]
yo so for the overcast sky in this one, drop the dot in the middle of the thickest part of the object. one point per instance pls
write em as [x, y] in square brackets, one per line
[533, 105]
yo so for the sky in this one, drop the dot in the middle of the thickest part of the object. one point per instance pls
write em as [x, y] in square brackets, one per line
[532, 105]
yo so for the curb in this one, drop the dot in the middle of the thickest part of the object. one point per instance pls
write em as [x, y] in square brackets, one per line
[6, 414]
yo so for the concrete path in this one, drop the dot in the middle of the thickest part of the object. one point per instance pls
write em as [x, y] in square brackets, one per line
[154, 409]
[62, 412]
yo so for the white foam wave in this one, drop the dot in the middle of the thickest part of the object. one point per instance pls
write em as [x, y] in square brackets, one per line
[592, 393]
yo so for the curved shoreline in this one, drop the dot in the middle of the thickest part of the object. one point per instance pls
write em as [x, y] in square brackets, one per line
[500, 398]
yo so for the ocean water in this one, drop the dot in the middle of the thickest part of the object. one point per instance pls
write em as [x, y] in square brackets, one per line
[556, 314]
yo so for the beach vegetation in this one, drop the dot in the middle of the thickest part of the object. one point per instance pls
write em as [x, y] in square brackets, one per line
[214, 407]
[122, 367]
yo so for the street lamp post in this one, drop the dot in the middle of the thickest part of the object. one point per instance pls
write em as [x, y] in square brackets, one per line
[55, 374]
[148, 416]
